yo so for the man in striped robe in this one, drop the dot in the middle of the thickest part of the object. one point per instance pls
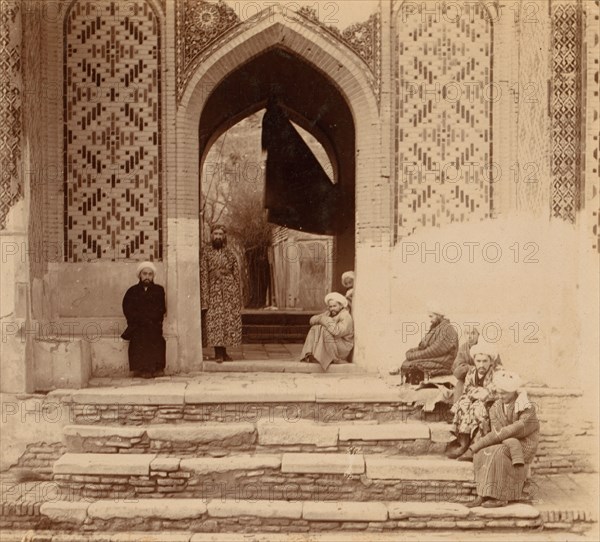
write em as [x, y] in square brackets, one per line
[502, 456]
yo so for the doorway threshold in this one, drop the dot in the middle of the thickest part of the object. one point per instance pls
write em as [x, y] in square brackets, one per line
[277, 366]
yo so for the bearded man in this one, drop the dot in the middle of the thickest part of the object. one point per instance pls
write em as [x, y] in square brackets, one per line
[331, 337]
[221, 297]
[435, 353]
[144, 307]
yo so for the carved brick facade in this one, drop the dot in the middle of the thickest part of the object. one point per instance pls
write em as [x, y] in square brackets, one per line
[566, 109]
[112, 131]
[443, 119]
[11, 185]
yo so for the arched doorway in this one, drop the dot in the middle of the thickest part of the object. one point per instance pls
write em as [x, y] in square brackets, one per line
[314, 103]
[343, 70]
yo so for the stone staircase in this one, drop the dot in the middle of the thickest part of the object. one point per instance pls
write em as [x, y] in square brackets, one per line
[332, 455]
[275, 326]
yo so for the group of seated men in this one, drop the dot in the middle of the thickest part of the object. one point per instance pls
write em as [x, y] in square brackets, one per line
[494, 423]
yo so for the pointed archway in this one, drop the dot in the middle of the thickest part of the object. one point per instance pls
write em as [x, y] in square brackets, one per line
[320, 55]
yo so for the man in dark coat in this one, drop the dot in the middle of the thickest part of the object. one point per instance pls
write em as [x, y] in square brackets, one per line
[144, 307]
[435, 353]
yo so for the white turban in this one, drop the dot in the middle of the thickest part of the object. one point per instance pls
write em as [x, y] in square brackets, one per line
[347, 275]
[145, 265]
[507, 381]
[434, 309]
[339, 298]
[485, 348]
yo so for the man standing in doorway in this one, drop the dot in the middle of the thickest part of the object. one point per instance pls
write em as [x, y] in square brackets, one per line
[144, 307]
[221, 298]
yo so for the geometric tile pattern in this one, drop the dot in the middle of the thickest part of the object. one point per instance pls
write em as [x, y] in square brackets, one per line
[198, 24]
[443, 116]
[566, 109]
[11, 188]
[363, 38]
[112, 131]
[592, 117]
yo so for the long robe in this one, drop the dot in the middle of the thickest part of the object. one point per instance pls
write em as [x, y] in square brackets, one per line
[330, 337]
[145, 309]
[471, 410]
[513, 439]
[220, 293]
[436, 352]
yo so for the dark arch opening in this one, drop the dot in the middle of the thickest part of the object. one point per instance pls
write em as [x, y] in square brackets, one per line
[314, 103]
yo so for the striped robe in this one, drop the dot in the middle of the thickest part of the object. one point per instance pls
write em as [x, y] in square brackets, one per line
[513, 439]
[436, 352]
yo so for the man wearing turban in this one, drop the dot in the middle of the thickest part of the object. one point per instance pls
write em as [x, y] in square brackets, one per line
[435, 353]
[144, 307]
[331, 336]
[221, 296]
[501, 457]
[471, 417]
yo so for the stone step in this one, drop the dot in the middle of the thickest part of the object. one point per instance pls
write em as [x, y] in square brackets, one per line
[466, 534]
[269, 434]
[209, 397]
[277, 366]
[247, 516]
[285, 476]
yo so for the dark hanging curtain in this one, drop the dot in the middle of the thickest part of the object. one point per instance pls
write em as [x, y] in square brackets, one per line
[298, 192]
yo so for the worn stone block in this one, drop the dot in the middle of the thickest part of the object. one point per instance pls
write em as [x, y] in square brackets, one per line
[402, 510]
[323, 463]
[207, 465]
[65, 511]
[200, 432]
[344, 511]
[111, 464]
[262, 509]
[170, 509]
[517, 511]
[166, 464]
[399, 468]
[286, 432]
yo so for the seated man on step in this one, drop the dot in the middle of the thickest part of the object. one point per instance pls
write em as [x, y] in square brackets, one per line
[471, 418]
[435, 353]
[331, 337]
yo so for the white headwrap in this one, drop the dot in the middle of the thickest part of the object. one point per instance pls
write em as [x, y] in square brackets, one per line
[485, 348]
[145, 265]
[347, 275]
[334, 296]
[507, 381]
[434, 309]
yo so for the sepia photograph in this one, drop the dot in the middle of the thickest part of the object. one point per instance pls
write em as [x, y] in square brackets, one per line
[299, 270]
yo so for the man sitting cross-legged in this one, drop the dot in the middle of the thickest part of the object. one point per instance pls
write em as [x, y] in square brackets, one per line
[435, 352]
[471, 416]
[331, 337]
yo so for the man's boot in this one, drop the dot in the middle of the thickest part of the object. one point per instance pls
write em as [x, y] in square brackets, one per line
[463, 443]
[219, 354]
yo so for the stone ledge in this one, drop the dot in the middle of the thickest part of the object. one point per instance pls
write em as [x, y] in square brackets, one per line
[198, 432]
[403, 510]
[387, 431]
[316, 463]
[423, 468]
[159, 393]
[117, 464]
[520, 511]
[208, 465]
[102, 431]
[281, 432]
[260, 509]
[65, 511]
[252, 392]
[171, 509]
[345, 511]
